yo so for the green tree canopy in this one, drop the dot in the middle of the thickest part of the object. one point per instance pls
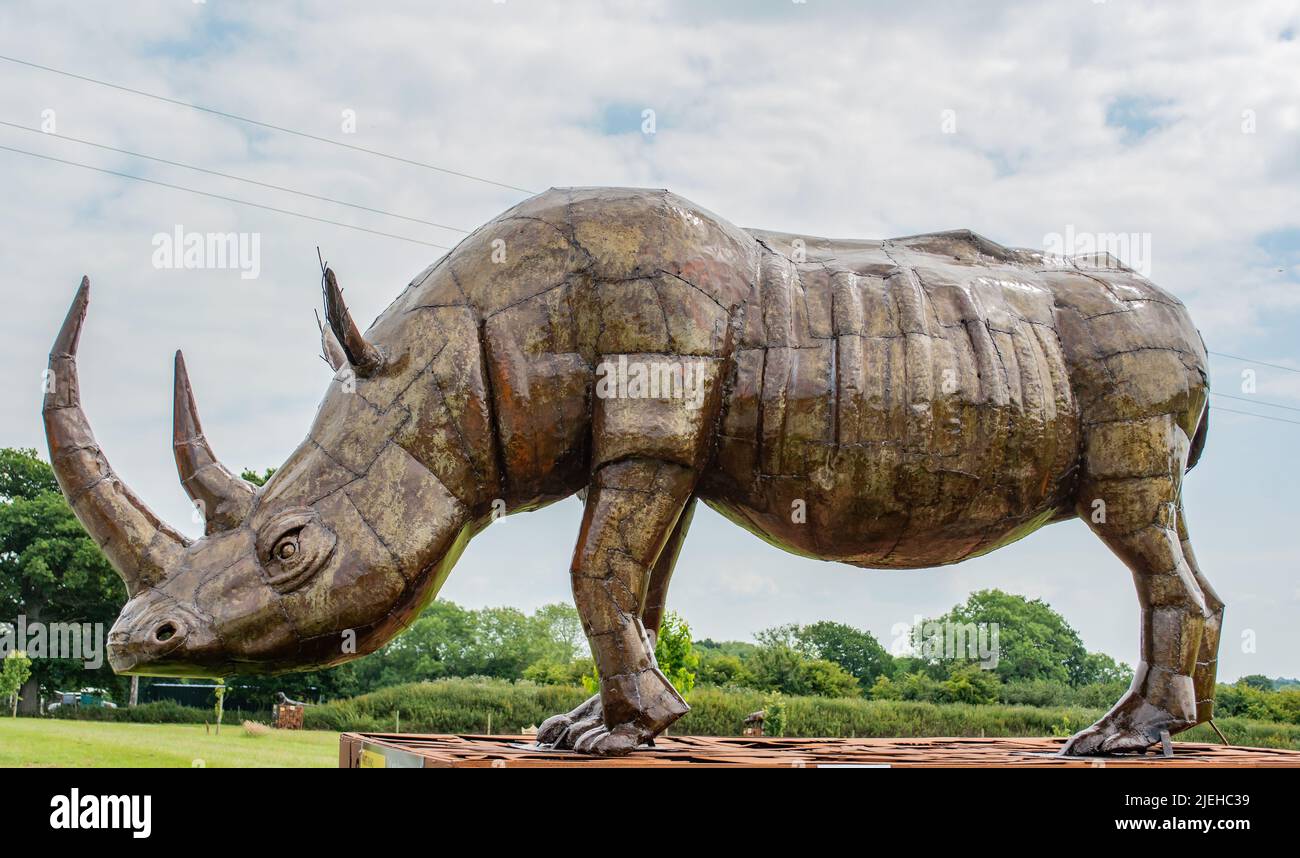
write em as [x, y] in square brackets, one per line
[51, 571]
[970, 683]
[675, 654]
[778, 664]
[1099, 667]
[858, 652]
[255, 478]
[1257, 681]
[1034, 641]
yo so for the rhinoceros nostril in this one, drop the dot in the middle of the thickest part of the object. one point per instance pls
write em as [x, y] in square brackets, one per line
[165, 631]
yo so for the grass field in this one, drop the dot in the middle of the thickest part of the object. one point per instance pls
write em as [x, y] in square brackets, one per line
[49, 742]
[480, 705]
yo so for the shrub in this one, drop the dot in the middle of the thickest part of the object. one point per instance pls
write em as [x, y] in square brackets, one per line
[1037, 692]
[969, 684]
[721, 669]
[674, 653]
[780, 667]
[825, 678]
[448, 706]
[547, 672]
[885, 689]
[774, 714]
[158, 712]
[1100, 695]
[464, 706]
[918, 686]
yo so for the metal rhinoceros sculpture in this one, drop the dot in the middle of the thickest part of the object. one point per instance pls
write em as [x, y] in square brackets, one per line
[889, 404]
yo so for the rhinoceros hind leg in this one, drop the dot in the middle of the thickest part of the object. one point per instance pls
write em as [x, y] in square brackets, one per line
[656, 599]
[1207, 658]
[1137, 517]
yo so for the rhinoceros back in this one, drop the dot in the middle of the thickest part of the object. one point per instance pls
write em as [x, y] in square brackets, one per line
[896, 403]
[917, 401]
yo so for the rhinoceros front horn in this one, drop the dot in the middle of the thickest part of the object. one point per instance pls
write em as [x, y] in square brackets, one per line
[224, 498]
[363, 356]
[138, 544]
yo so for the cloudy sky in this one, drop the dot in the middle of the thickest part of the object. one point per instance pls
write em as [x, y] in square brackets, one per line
[1177, 121]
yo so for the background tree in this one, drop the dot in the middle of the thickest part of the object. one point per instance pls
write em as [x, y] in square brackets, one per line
[559, 624]
[720, 668]
[1034, 641]
[781, 664]
[823, 678]
[970, 683]
[255, 478]
[885, 688]
[1101, 668]
[918, 686]
[51, 571]
[675, 654]
[1257, 681]
[15, 668]
[858, 652]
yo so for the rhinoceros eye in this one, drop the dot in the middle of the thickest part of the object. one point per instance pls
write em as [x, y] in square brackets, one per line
[287, 548]
[292, 547]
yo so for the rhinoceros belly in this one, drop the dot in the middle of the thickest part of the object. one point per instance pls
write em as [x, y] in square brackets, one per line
[896, 405]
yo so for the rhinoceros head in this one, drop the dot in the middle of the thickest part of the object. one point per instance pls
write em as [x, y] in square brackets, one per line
[324, 563]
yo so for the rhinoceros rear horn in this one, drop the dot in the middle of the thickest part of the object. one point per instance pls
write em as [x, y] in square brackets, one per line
[364, 357]
[138, 544]
[224, 498]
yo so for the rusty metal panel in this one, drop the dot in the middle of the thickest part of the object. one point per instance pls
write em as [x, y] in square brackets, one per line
[472, 751]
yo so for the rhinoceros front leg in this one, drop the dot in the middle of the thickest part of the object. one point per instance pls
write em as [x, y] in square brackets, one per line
[560, 731]
[632, 508]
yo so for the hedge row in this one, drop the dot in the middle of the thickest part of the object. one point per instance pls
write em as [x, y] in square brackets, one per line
[448, 706]
[476, 705]
[158, 712]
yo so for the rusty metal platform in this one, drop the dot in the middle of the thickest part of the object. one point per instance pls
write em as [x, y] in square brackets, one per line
[387, 750]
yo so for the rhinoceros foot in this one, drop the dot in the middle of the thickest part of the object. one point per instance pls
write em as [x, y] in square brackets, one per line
[585, 730]
[560, 732]
[1132, 726]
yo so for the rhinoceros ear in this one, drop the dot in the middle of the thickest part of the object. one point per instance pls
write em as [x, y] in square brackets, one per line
[331, 349]
[364, 357]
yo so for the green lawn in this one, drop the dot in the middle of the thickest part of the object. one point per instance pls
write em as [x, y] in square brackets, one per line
[50, 742]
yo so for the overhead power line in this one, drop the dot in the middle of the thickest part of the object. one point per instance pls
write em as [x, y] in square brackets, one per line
[260, 124]
[260, 184]
[1219, 408]
[225, 198]
[1252, 360]
[365, 150]
[1256, 401]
